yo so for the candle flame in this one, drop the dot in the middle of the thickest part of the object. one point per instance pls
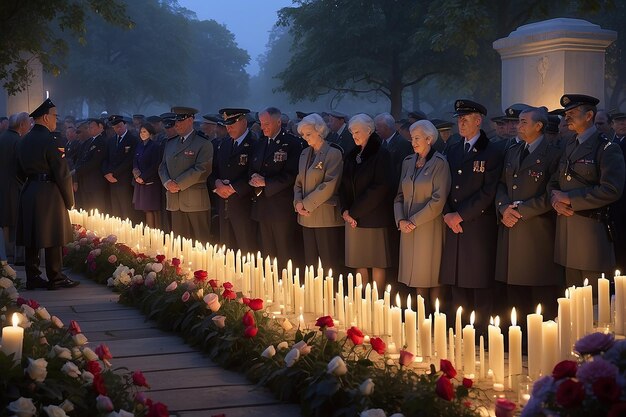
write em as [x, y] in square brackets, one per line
[437, 305]
[330, 272]
[459, 310]
[497, 321]
[539, 308]
[566, 293]
[472, 317]
[513, 317]
[15, 320]
[586, 282]
[374, 286]
[617, 273]
[408, 301]
[388, 289]
[289, 264]
[491, 320]
[398, 302]
[319, 262]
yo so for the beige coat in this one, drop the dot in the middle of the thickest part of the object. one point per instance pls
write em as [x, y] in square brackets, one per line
[317, 186]
[421, 197]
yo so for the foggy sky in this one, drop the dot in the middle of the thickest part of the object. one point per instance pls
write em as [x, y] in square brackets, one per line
[249, 20]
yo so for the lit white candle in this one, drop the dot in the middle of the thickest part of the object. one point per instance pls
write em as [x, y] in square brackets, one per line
[603, 301]
[440, 333]
[588, 307]
[620, 303]
[515, 348]
[386, 311]
[498, 351]
[550, 344]
[469, 347]
[13, 339]
[458, 340]
[534, 325]
[565, 327]
[396, 323]
[410, 327]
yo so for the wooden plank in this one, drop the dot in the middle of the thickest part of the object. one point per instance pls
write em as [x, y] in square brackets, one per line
[194, 399]
[164, 362]
[88, 326]
[274, 410]
[107, 315]
[148, 346]
[194, 378]
[109, 335]
[106, 306]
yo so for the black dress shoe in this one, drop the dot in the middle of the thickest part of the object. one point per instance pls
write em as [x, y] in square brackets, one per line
[37, 282]
[64, 283]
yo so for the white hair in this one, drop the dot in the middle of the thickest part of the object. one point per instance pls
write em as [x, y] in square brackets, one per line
[387, 119]
[15, 120]
[364, 120]
[427, 128]
[317, 122]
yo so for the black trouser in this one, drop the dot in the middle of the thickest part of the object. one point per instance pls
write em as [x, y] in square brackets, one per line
[192, 225]
[238, 232]
[279, 238]
[53, 259]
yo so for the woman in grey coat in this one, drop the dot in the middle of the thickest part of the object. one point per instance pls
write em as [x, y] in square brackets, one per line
[316, 197]
[424, 186]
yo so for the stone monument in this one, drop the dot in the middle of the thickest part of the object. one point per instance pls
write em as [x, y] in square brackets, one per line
[33, 95]
[542, 61]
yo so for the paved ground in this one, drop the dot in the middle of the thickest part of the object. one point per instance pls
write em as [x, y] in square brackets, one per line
[180, 376]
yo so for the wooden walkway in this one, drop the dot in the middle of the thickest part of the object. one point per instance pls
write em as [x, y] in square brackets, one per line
[180, 376]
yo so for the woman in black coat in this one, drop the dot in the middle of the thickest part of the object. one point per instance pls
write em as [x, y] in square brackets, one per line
[366, 198]
[147, 193]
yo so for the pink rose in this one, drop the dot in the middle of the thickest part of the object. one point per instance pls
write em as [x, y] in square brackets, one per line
[212, 301]
[185, 296]
[112, 259]
[173, 285]
[406, 357]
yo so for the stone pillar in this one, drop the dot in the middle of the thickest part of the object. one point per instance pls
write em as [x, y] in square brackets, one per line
[544, 60]
[29, 99]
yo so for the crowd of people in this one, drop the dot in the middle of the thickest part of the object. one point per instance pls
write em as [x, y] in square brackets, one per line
[505, 211]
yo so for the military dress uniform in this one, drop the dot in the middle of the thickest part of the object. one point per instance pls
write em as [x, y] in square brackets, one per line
[525, 257]
[230, 165]
[93, 188]
[276, 160]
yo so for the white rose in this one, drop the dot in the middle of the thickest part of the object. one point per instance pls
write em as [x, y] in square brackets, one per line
[70, 369]
[104, 403]
[373, 412]
[148, 267]
[36, 369]
[79, 339]
[89, 354]
[97, 252]
[57, 322]
[151, 275]
[4, 284]
[220, 321]
[54, 411]
[28, 311]
[157, 267]
[200, 293]
[292, 357]
[67, 406]
[87, 377]
[12, 293]
[286, 324]
[125, 279]
[282, 345]
[137, 280]
[76, 353]
[60, 352]
[337, 366]
[43, 313]
[367, 387]
[22, 407]
[269, 352]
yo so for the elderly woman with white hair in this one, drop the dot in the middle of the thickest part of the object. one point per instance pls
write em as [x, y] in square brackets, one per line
[366, 196]
[316, 195]
[424, 186]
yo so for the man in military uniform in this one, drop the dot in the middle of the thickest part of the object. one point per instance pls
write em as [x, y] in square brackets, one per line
[229, 181]
[118, 169]
[468, 259]
[89, 183]
[525, 259]
[398, 147]
[339, 131]
[448, 139]
[603, 122]
[273, 170]
[43, 220]
[187, 163]
[619, 207]
[590, 178]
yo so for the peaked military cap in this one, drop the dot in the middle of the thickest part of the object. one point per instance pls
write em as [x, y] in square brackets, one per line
[43, 108]
[464, 106]
[338, 115]
[183, 113]
[557, 112]
[442, 124]
[513, 112]
[232, 115]
[115, 119]
[571, 101]
[618, 116]
[498, 119]
[169, 119]
[214, 119]
[553, 124]
[417, 115]
[153, 119]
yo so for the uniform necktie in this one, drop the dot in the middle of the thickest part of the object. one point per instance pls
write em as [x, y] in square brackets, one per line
[385, 144]
[119, 141]
[467, 147]
[235, 147]
[524, 154]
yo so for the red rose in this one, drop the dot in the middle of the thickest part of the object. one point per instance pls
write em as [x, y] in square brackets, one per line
[248, 319]
[245, 300]
[406, 358]
[96, 241]
[160, 258]
[139, 379]
[256, 304]
[74, 327]
[33, 304]
[103, 352]
[444, 388]
[213, 283]
[227, 285]
[98, 384]
[251, 331]
[446, 367]
[179, 270]
[93, 367]
[570, 393]
[229, 295]
[200, 275]
[617, 410]
[158, 410]
[325, 321]
[606, 389]
[564, 369]
[21, 301]
[175, 262]
[355, 335]
[378, 345]
[467, 383]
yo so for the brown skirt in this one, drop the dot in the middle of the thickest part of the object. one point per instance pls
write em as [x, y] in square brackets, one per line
[367, 247]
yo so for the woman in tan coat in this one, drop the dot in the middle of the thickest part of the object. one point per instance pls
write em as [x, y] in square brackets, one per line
[316, 196]
[424, 186]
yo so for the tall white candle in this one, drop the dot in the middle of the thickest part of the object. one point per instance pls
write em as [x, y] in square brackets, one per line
[13, 339]
[440, 333]
[588, 306]
[534, 325]
[425, 331]
[550, 343]
[469, 348]
[396, 323]
[410, 327]
[458, 340]
[386, 311]
[451, 341]
[498, 354]
[515, 347]
[565, 327]
[483, 365]
[620, 303]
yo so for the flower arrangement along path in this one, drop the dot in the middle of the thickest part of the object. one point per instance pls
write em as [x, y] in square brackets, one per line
[179, 376]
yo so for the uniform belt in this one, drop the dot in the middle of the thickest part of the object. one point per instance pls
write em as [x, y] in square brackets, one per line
[40, 177]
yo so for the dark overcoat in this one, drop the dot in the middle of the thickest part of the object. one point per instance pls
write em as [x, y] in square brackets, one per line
[9, 183]
[93, 188]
